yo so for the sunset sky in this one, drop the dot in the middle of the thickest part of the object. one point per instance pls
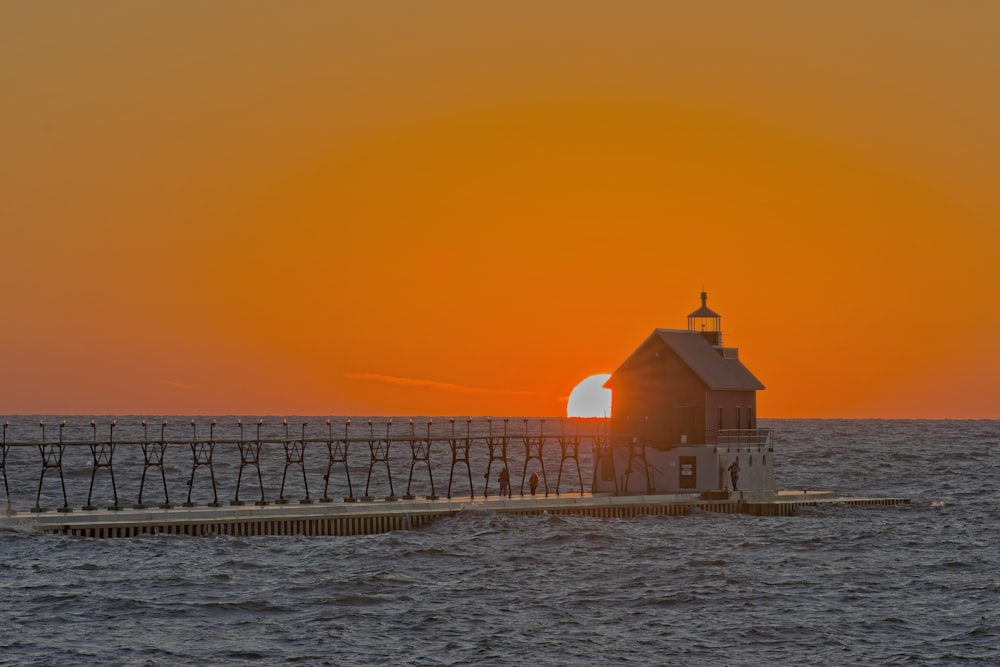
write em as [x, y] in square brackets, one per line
[465, 208]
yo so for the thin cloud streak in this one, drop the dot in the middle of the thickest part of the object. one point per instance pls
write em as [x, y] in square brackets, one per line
[177, 385]
[433, 384]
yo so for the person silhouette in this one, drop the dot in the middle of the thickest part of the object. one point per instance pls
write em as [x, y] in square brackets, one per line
[533, 482]
[734, 473]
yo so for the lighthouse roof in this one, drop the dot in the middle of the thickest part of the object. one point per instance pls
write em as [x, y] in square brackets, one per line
[713, 365]
[704, 311]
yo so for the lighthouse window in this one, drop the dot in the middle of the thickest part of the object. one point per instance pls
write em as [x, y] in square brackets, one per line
[739, 417]
[720, 419]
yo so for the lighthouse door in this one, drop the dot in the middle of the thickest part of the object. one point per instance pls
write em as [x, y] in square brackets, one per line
[688, 472]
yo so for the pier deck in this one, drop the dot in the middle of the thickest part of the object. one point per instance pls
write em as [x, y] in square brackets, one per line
[382, 516]
[266, 478]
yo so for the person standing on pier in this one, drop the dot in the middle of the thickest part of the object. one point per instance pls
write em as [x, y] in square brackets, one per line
[533, 482]
[504, 479]
[734, 473]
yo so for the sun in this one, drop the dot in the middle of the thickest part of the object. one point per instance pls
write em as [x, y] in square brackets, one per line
[590, 398]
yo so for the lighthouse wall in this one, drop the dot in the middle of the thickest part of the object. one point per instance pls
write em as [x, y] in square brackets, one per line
[756, 463]
[690, 469]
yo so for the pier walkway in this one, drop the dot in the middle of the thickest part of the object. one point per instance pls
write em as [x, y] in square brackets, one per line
[262, 477]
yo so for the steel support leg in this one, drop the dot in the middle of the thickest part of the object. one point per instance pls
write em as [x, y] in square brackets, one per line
[460, 454]
[52, 455]
[295, 452]
[570, 446]
[337, 451]
[498, 452]
[3, 467]
[249, 458]
[153, 454]
[604, 460]
[533, 450]
[420, 450]
[201, 456]
[379, 450]
[102, 454]
[637, 453]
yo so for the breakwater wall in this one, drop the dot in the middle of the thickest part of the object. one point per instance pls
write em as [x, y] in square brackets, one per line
[382, 516]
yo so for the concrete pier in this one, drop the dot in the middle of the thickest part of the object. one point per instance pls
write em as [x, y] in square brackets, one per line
[384, 516]
[125, 479]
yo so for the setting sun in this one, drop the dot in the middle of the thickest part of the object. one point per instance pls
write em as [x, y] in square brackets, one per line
[590, 398]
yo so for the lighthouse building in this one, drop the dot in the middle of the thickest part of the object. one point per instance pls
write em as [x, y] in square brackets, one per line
[684, 410]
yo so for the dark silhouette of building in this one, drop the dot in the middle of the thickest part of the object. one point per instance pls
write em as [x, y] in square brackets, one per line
[683, 386]
[681, 389]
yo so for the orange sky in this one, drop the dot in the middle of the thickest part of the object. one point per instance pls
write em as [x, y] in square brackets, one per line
[455, 208]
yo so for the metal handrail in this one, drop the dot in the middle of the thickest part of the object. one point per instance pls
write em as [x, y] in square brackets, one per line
[753, 437]
[141, 452]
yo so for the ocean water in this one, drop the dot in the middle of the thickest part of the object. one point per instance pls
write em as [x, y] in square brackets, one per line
[900, 585]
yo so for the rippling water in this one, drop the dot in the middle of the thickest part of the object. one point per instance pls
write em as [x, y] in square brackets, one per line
[913, 585]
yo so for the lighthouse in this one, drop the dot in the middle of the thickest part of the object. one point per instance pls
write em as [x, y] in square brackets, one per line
[684, 409]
